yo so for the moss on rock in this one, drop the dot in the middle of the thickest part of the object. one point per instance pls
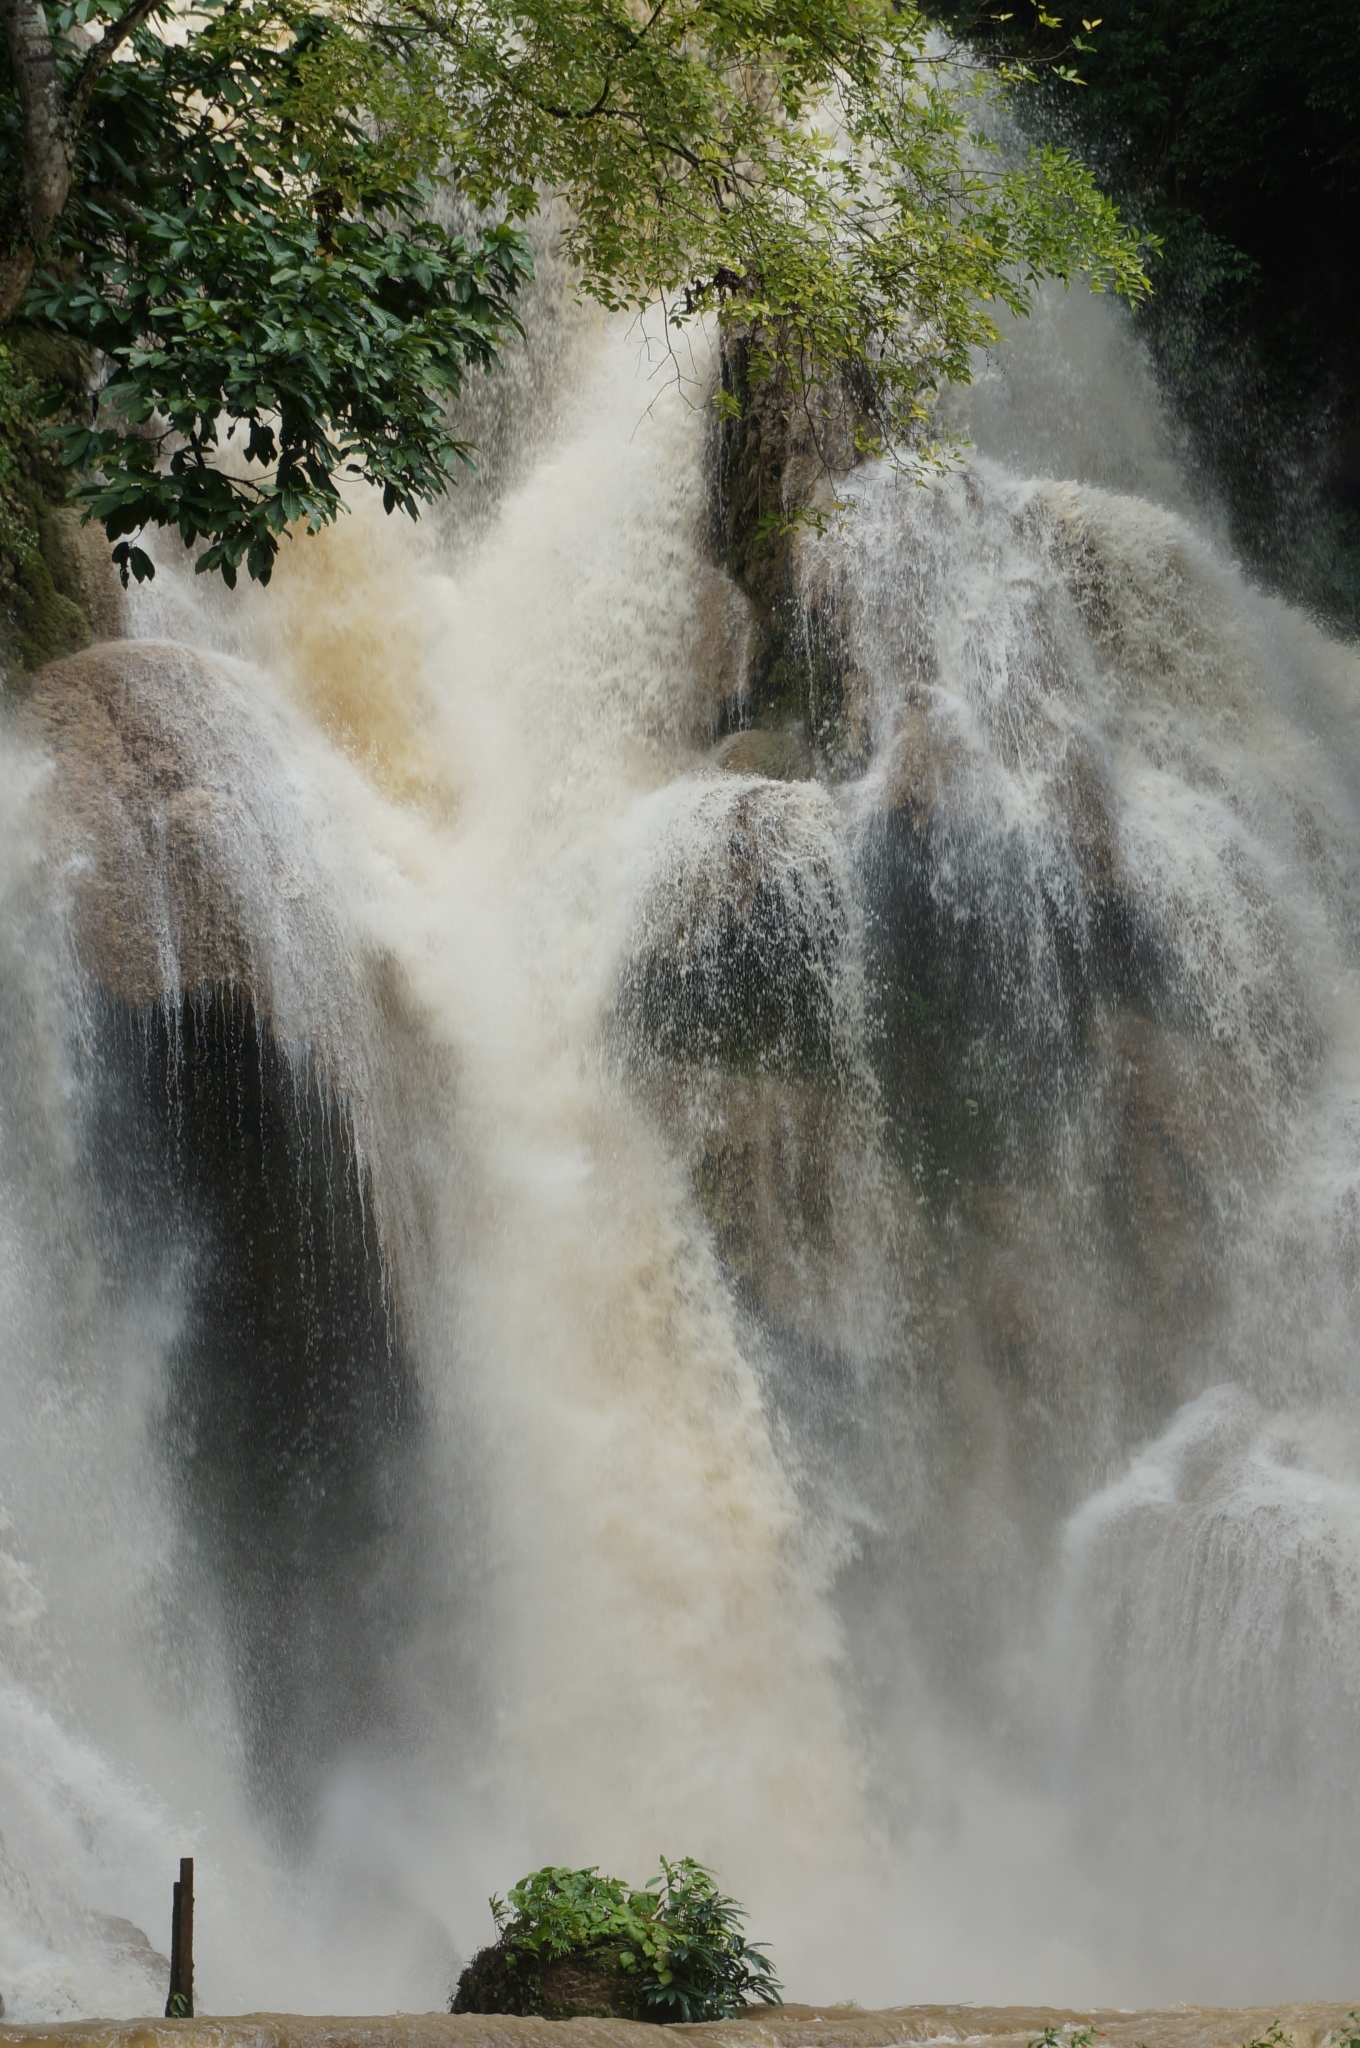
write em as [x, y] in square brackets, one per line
[56, 591]
[590, 1984]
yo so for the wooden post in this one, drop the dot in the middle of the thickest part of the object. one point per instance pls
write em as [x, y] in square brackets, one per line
[186, 1930]
[174, 1956]
[180, 2004]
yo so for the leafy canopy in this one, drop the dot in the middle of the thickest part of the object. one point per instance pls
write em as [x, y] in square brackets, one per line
[256, 238]
[815, 169]
[679, 1936]
[258, 267]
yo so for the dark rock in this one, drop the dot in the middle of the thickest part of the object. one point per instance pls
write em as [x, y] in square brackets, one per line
[738, 947]
[589, 1985]
[1182, 1124]
[290, 1424]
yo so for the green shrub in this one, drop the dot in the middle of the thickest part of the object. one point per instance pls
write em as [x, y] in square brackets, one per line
[678, 1942]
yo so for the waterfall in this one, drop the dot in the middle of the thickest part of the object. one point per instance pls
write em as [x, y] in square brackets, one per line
[570, 1299]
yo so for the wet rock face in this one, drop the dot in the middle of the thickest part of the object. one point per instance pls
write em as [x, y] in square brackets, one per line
[741, 934]
[1093, 1265]
[151, 908]
[290, 1430]
[777, 756]
[990, 953]
[231, 1033]
[784, 1168]
[1177, 1132]
[186, 843]
[1016, 1106]
[1001, 1224]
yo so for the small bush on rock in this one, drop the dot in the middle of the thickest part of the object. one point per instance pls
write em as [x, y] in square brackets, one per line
[574, 1943]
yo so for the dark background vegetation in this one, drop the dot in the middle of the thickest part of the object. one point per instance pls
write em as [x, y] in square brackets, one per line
[1231, 130]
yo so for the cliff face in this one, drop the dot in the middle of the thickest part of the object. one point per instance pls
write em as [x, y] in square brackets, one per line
[1003, 1027]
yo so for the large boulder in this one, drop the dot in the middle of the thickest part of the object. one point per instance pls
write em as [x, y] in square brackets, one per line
[140, 820]
[741, 933]
[186, 840]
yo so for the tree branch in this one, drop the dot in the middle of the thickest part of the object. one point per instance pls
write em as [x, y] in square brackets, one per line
[92, 70]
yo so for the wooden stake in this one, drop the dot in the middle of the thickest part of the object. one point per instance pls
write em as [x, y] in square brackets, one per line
[180, 2004]
[186, 1930]
[174, 1956]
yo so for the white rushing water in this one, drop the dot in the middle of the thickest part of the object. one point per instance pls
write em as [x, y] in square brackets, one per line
[856, 1377]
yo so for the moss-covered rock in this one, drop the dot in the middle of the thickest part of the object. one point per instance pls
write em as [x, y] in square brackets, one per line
[591, 1984]
[39, 622]
[57, 588]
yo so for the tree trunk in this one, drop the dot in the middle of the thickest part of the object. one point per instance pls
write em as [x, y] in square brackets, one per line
[47, 161]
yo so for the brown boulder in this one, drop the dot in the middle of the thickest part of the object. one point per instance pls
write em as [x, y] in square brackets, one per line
[777, 756]
[152, 915]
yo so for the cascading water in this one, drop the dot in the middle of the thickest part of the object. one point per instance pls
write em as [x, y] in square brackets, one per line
[566, 1301]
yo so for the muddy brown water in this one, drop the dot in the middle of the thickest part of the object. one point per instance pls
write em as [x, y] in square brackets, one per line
[792, 2026]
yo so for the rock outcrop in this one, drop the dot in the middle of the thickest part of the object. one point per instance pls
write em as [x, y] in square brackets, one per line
[187, 844]
[777, 756]
[152, 909]
[781, 456]
[741, 933]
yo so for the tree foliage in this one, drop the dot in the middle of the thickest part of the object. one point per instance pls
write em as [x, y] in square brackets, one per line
[259, 272]
[254, 244]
